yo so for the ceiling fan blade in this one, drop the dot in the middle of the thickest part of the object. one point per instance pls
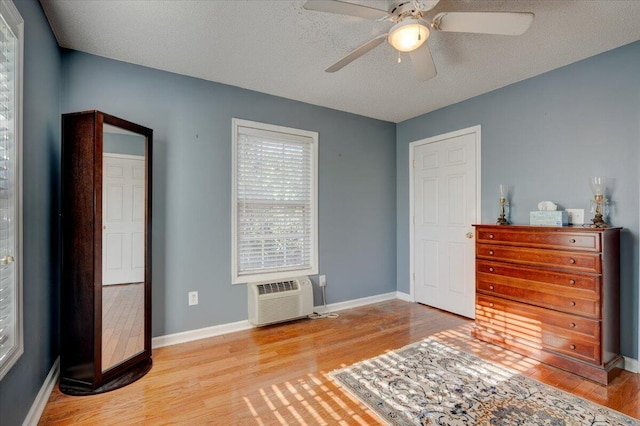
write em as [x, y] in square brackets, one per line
[502, 23]
[357, 53]
[344, 8]
[423, 63]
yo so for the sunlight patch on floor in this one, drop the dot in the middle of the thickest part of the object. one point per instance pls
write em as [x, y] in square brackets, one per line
[309, 401]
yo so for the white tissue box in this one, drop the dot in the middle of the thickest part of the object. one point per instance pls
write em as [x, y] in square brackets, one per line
[549, 218]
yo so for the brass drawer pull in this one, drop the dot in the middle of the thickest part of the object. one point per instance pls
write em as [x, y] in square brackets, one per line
[572, 261]
[573, 347]
[490, 287]
[572, 282]
[491, 305]
[572, 303]
[572, 241]
[491, 252]
[491, 236]
[572, 325]
[490, 269]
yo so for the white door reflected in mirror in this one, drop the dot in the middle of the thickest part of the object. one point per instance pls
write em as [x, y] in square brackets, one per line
[123, 219]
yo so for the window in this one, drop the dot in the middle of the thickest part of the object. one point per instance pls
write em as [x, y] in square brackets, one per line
[11, 30]
[275, 214]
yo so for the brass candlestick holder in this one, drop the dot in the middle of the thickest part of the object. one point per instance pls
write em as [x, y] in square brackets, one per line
[504, 205]
[599, 204]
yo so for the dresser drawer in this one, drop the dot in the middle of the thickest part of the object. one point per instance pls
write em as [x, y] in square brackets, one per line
[570, 261]
[562, 333]
[519, 313]
[589, 283]
[541, 238]
[587, 351]
[575, 302]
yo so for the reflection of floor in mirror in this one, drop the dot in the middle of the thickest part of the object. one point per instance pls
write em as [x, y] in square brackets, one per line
[122, 322]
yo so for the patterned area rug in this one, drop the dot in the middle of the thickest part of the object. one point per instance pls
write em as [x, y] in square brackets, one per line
[429, 383]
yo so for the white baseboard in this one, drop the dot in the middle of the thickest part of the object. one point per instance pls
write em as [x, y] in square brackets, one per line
[201, 333]
[33, 416]
[404, 296]
[355, 303]
[632, 365]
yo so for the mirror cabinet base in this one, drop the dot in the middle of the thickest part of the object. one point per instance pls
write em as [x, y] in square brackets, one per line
[131, 375]
[105, 295]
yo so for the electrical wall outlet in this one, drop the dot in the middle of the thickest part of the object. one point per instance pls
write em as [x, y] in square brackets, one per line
[322, 280]
[193, 298]
[576, 216]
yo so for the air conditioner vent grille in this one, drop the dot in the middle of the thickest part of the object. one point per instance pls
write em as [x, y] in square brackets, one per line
[278, 287]
[276, 301]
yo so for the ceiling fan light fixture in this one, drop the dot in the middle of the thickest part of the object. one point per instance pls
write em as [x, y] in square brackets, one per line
[409, 34]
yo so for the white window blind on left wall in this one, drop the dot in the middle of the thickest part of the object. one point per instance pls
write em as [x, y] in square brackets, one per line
[275, 214]
[11, 346]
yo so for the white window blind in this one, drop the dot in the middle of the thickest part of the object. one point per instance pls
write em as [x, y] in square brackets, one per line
[10, 188]
[275, 202]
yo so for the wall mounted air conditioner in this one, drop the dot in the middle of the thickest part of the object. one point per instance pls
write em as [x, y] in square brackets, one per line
[271, 302]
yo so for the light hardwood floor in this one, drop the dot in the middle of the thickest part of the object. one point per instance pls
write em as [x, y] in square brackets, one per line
[122, 322]
[277, 375]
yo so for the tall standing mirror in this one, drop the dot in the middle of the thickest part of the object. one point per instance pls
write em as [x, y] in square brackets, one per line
[123, 244]
[106, 269]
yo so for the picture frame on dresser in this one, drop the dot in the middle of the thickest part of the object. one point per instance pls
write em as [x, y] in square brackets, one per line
[551, 293]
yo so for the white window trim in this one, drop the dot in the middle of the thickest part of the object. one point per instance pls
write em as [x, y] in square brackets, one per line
[12, 17]
[242, 279]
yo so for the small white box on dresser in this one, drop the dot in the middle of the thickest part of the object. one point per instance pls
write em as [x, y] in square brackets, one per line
[576, 216]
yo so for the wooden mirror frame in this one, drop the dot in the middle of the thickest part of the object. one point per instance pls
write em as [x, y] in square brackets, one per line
[81, 370]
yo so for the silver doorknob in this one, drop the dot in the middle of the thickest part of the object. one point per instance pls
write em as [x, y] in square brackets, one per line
[469, 234]
[6, 260]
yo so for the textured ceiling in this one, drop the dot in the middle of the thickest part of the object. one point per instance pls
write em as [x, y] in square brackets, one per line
[277, 47]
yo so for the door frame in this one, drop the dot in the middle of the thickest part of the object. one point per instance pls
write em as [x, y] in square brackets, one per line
[477, 130]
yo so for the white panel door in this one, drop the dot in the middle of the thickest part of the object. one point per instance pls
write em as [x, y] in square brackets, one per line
[122, 219]
[445, 205]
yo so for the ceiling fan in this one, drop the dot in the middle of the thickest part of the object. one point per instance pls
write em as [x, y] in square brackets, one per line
[411, 29]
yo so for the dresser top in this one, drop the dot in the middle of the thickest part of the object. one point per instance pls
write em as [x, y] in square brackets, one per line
[529, 228]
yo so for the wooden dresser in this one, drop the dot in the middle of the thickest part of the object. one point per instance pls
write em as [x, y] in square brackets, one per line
[551, 293]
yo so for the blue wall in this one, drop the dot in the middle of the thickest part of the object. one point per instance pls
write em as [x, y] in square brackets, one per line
[545, 136]
[191, 120]
[41, 151]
